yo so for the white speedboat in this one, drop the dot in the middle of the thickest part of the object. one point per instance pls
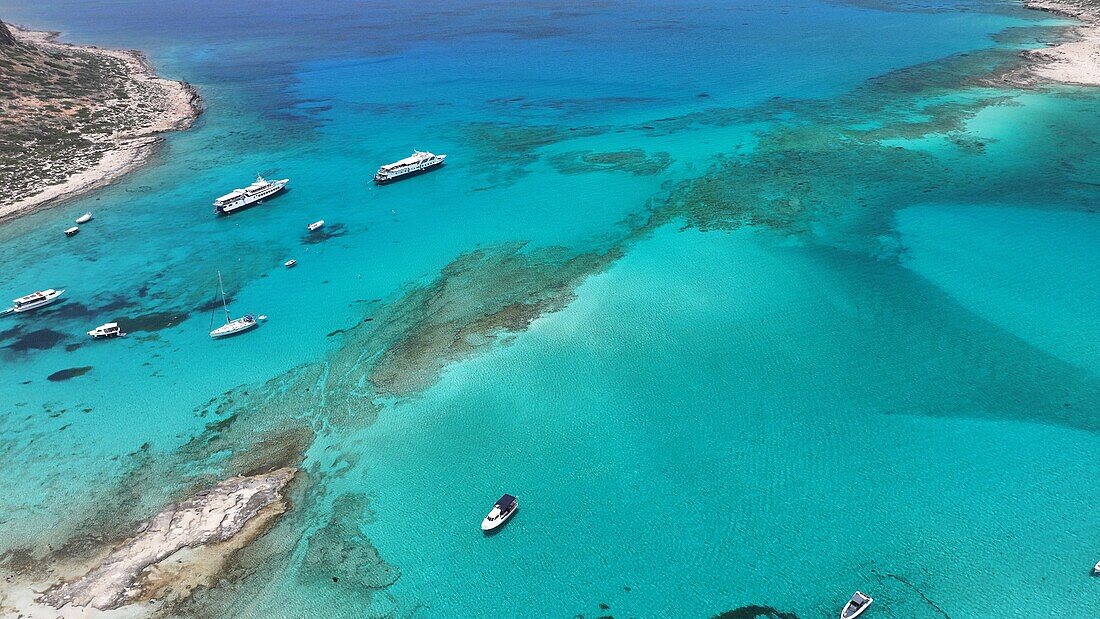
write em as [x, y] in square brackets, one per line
[1096, 569]
[316, 225]
[243, 198]
[501, 512]
[83, 219]
[417, 163]
[110, 329]
[232, 326]
[856, 605]
[36, 300]
[290, 263]
[72, 231]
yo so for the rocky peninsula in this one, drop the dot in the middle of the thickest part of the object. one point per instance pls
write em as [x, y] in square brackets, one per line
[186, 546]
[1074, 61]
[74, 118]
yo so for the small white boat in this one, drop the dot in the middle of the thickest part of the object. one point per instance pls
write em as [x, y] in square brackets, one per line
[72, 231]
[290, 263]
[110, 329]
[232, 326]
[501, 512]
[856, 605]
[317, 224]
[83, 219]
[36, 300]
[1096, 569]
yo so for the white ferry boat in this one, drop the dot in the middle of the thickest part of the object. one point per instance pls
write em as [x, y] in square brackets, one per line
[243, 198]
[417, 163]
[110, 329]
[501, 512]
[35, 300]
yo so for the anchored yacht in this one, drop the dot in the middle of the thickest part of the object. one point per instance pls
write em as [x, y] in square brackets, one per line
[243, 198]
[856, 605]
[417, 163]
[502, 511]
[35, 300]
[110, 329]
[232, 326]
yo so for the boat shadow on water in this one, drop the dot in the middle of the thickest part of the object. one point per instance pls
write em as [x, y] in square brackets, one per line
[321, 235]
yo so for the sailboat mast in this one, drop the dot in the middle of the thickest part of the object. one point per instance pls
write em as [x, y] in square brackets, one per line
[225, 305]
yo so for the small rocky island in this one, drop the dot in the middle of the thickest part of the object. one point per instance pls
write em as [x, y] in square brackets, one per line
[73, 118]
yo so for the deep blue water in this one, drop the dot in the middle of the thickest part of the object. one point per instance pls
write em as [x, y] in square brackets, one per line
[750, 303]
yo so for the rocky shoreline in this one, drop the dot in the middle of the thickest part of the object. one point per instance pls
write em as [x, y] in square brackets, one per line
[100, 117]
[1075, 61]
[185, 547]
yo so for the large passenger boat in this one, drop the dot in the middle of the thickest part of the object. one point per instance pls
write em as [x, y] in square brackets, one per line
[35, 300]
[243, 198]
[417, 163]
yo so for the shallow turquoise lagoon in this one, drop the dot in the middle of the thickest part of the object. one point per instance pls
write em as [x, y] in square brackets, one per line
[750, 303]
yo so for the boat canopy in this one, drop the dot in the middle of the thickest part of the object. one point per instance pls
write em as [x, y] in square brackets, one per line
[416, 157]
[34, 296]
[506, 501]
[236, 193]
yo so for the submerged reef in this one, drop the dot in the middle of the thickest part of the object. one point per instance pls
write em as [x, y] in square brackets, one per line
[634, 161]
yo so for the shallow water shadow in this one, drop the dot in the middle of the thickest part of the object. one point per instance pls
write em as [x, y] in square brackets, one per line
[323, 234]
[69, 373]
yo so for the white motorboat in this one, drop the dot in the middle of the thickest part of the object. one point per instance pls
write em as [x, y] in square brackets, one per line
[316, 225]
[243, 198]
[72, 231]
[417, 163]
[290, 263]
[856, 605]
[232, 326]
[36, 300]
[1096, 569]
[501, 512]
[83, 219]
[110, 329]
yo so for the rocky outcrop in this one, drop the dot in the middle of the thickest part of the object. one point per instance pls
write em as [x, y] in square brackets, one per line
[6, 37]
[1074, 61]
[206, 524]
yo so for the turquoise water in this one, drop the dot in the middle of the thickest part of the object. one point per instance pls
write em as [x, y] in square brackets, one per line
[750, 304]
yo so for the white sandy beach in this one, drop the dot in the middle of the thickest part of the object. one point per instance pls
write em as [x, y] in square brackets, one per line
[1072, 62]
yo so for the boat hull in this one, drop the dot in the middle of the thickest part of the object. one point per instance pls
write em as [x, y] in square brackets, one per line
[224, 332]
[489, 525]
[386, 180]
[849, 613]
[40, 304]
[222, 211]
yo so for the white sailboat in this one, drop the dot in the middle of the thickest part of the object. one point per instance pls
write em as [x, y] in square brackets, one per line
[232, 325]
